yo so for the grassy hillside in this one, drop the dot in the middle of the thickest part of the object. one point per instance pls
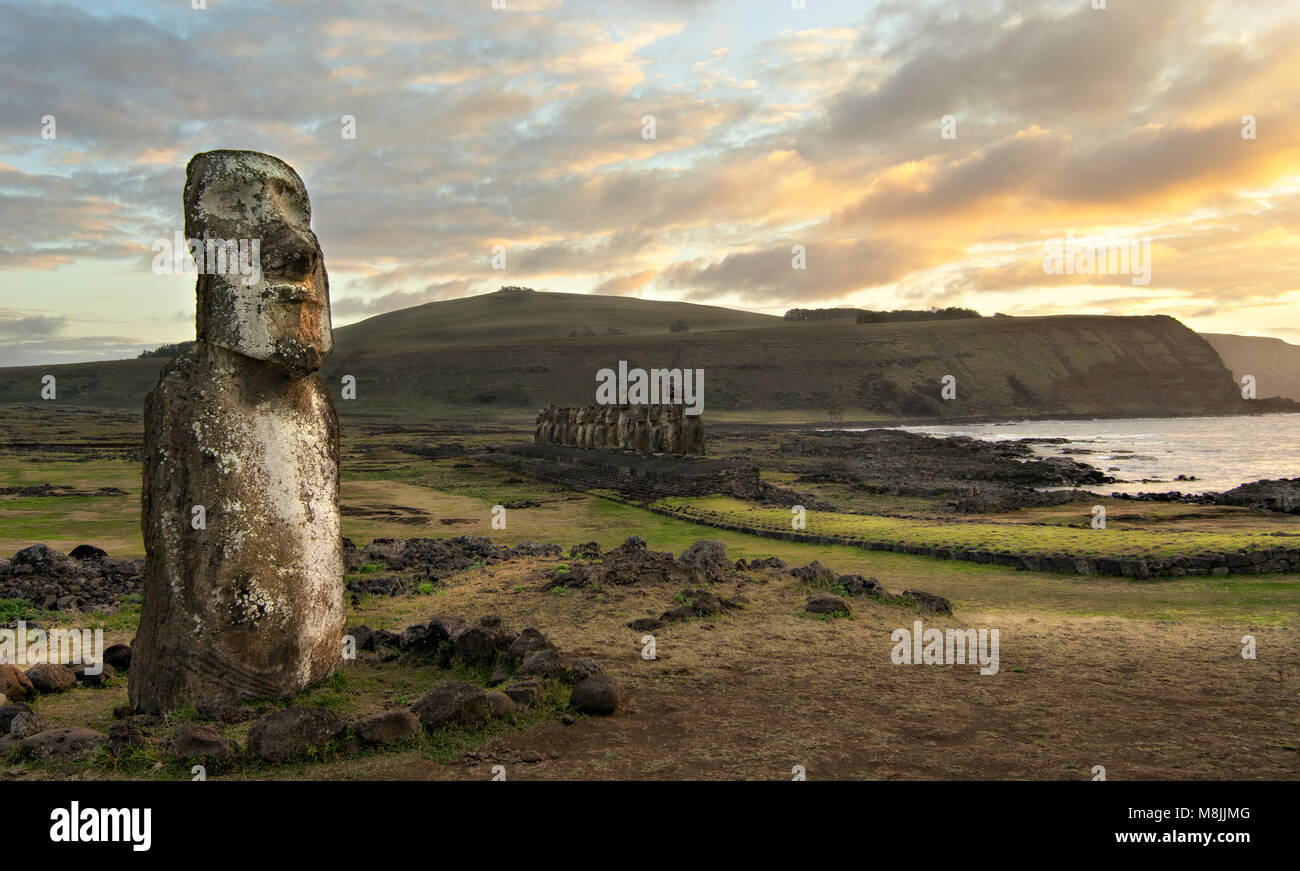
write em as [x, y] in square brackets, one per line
[512, 352]
[1103, 366]
[1274, 363]
[511, 316]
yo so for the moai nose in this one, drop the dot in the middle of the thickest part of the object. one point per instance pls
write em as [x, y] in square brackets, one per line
[289, 253]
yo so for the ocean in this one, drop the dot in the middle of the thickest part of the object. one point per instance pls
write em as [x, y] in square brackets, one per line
[1221, 452]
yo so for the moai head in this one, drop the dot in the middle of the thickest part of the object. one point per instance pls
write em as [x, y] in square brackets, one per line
[280, 311]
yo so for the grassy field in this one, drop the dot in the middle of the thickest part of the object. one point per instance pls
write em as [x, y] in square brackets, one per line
[1011, 537]
[1145, 678]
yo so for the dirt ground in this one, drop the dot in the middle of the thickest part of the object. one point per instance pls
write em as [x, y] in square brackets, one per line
[754, 693]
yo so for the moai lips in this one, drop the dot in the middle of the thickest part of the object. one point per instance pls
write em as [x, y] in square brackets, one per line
[249, 602]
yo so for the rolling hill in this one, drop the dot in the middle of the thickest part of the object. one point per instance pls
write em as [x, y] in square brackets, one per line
[513, 349]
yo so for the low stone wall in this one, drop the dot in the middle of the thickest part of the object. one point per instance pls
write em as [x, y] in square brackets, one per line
[1251, 562]
[640, 477]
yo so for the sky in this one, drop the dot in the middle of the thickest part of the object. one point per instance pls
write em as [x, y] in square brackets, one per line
[920, 153]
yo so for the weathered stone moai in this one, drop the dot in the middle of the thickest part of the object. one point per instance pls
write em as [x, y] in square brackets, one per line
[609, 431]
[676, 429]
[243, 594]
[693, 435]
[641, 429]
[624, 434]
[542, 423]
[657, 441]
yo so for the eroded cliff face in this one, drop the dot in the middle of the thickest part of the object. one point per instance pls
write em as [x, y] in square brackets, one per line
[250, 604]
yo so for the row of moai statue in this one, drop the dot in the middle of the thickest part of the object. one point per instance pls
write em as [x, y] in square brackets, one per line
[649, 429]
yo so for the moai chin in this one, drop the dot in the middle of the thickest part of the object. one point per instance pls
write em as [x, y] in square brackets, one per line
[245, 598]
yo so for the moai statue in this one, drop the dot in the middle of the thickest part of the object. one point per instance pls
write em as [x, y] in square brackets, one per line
[571, 426]
[539, 430]
[243, 589]
[655, 413]
[676, 429]
[640, 429]
[588, 438]
[693, 435]
[609, 429]
[552, 425]
[624, 433]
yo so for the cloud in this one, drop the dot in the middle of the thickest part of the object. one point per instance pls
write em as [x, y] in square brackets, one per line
[523, 128]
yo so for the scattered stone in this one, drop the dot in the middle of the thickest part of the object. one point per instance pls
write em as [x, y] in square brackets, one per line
[475, 645]
[529, 642]
[387, 727]
[43, 560]
[294, 731]
[27, 724]
[827, 603]
[857, 585]
[47, 677]
[544, 663]
[200, 741]
[125, 735]
[595, 694]
[707, 553]
[498, 677]
[452, 703]
[63, 743]
[8, 712]
[530, 756]
[930, 602]
[815, 574]
[96, 675]
[88, 553]
[590, 550]
[14, 683]
[525, 692]
[645, 624]
[501, 704]
[568, 720]
[118, 656]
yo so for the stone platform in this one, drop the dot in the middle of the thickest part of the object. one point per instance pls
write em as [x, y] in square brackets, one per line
[641, 476]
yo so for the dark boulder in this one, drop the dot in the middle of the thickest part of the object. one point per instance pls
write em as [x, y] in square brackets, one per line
[596, 694]
[47, 677]
[88, 553]
[200, 741]
[118, 656]
[930, 602]
[293, 732]
[454, 703]
[827, 603]
[387, 727]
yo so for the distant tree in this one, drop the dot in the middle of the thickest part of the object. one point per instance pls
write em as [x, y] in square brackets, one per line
[820, 314]
[903, 315]
[174, 349]
[678, 326]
